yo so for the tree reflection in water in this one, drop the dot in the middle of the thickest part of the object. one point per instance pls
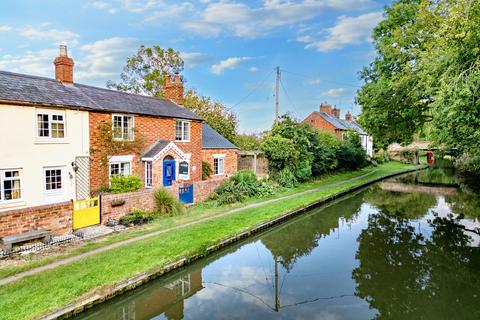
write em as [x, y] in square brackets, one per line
[406, 275]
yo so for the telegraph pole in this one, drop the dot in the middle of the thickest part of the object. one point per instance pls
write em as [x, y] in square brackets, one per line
[277, 91]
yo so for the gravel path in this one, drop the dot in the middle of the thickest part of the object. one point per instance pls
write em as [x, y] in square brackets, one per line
[62, 262]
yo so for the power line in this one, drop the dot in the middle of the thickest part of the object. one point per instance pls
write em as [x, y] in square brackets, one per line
[251, 91]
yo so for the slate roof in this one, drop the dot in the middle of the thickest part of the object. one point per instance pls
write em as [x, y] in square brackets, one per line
[155, 148]
[342, 124]
[211, 139]
[45, 91]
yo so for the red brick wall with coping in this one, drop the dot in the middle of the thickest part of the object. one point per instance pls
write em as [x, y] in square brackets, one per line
[54, 217]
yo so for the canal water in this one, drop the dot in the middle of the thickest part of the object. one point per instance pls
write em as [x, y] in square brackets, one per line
[405, 248]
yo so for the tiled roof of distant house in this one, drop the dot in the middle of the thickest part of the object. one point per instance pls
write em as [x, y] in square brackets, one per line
[211, 139]
[342, 124]
[16, 87]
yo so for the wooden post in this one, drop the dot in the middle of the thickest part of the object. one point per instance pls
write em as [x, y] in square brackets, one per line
[255, 162]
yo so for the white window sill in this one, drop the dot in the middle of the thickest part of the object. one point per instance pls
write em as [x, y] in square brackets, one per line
[52, 141]
[182, 141]
[12, 204]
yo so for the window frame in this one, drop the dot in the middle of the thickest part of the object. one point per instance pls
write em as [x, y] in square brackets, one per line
[218, 157]
[62, 181]
[148, 177]
[183, 125]
[50, 121]
[122, 129]
[120, 160]
[3, 178]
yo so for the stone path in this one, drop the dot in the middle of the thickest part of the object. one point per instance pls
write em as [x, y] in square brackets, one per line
[65, 261]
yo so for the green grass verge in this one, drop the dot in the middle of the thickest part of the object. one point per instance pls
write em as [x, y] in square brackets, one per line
[38, 294]
[199, 211]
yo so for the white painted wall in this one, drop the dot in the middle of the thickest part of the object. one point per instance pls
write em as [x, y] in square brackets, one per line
[367, 144]
[20, 148]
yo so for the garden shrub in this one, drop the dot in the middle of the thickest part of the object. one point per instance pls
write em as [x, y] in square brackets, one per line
[468, 163]
[206, 170]
[167, 204]
[351, 155]
[286, 178]
[121, 184]
[137, 217]
[242, 185]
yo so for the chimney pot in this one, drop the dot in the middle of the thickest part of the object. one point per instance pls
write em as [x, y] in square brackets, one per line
[348, 116]
[63, 66]
[173, 90]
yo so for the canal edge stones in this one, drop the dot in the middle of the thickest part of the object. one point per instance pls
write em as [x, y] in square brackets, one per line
[109, 292]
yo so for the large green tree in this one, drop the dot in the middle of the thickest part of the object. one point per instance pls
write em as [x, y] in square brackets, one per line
[426, 75]
[144, 73]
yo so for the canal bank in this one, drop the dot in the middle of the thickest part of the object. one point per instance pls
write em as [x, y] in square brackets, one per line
[152, 257]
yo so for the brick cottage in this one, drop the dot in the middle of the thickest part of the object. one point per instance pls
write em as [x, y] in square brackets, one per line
[64, 141]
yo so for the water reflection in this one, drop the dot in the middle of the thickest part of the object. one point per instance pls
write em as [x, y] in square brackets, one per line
[403, 249]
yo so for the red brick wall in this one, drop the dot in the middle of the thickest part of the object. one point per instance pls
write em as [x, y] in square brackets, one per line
[54, 217]
[203, 189]
[149, 129]
[231, 160]
[319, 123]
[145, 199]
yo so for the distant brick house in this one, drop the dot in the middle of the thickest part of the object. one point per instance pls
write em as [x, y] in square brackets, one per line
[328, 119]
[221, 154]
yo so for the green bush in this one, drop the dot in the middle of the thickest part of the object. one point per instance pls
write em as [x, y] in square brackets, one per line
[137, 217]
[468, 163]
[121, 184]
[286, 178]
[351, 155]
[167, 204]
[206, 170]
[381, 156]
[242, 185]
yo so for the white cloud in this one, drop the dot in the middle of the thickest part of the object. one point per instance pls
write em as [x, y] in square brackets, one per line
[335, 92]
[347, 31]
[248, 22]
[40, 33]
[38, 63]
[193, 58]
[170, 11]
[314, 82]
[5, 28]
[230, 63]
[253, 69]
[104, 59]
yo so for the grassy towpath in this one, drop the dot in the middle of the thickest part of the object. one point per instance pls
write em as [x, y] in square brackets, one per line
[67, 280]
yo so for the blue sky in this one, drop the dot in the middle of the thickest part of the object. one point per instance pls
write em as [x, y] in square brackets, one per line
[230, 48]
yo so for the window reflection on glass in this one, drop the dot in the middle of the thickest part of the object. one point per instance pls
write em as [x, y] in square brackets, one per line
[10, 185]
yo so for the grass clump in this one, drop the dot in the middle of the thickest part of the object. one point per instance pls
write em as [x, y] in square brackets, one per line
[137, 217]
[167, 204]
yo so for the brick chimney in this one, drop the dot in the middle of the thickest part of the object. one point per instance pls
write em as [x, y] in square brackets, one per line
[326, 108]
[336, 112]
[173, 90]
[63, 66]
[348, 116]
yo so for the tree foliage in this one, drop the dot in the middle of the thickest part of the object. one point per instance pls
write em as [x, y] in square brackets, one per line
[144, 73]
[426, 75]
[248, 141]
[296, 151]
[219, 117]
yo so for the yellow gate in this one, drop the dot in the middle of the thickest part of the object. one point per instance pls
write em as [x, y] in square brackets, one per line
[86, 213]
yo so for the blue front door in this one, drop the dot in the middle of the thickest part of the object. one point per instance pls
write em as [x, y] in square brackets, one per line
[168, 172]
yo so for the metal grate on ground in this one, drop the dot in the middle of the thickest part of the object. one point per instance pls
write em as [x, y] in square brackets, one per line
[39, 246]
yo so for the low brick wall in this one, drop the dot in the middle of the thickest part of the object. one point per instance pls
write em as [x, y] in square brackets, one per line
[115, 206]
[54, 217]
[112, 207]
[203, 189]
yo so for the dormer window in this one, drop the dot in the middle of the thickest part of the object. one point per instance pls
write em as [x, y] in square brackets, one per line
[182, 130]
[122, 127]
